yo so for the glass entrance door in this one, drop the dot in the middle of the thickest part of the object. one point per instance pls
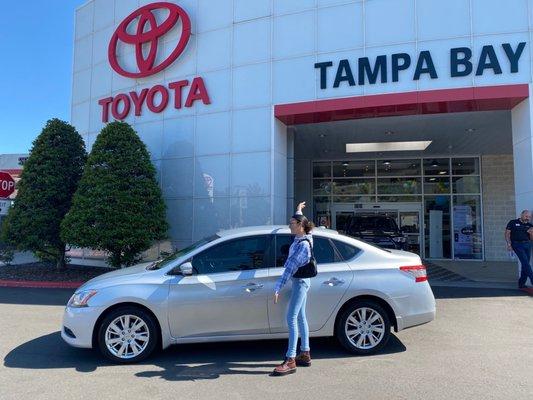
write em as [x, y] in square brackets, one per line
[409, 223]
[406, 215]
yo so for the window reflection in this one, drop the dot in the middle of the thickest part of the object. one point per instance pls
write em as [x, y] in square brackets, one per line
[444, 187]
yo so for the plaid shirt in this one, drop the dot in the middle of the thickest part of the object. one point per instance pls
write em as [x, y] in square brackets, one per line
[299, 255]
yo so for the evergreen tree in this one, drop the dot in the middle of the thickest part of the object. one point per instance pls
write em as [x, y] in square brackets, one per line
[118, 206]
[47, 184]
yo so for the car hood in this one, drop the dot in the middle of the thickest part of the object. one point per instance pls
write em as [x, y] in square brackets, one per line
[118, 276]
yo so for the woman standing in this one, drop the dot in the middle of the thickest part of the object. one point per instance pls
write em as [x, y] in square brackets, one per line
[299, 255]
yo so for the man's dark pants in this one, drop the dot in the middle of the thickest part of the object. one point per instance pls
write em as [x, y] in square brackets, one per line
[523, 252]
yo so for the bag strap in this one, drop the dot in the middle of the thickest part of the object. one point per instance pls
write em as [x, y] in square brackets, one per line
[310, 247]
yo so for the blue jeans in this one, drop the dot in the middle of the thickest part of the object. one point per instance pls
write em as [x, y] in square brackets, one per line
[296, 319]
[523, 252]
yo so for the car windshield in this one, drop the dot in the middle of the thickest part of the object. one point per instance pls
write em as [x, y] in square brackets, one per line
[178, 253]
[371, 223]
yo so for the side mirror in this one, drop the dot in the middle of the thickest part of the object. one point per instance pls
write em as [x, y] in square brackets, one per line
[186, 269]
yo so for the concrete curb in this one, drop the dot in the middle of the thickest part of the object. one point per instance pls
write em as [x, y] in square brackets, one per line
[482, 285]
[41, 284]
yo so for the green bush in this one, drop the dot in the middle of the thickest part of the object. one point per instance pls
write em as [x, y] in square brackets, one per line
[118, 206]
[47, 183]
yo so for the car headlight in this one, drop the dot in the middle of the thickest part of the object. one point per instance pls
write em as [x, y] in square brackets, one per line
[80, 299]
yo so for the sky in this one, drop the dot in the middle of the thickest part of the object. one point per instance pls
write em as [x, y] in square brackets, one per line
[36, 50]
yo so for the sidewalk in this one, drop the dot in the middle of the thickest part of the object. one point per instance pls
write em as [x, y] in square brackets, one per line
[494, 274]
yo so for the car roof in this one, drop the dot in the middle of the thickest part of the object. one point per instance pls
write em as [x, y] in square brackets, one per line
[271, 229]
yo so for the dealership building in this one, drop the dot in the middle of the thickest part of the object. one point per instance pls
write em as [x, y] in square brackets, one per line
[416, 109]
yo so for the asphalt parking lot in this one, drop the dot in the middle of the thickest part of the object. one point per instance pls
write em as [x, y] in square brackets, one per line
[479, 347]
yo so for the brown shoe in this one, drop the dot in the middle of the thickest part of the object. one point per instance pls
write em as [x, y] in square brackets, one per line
[303, 359]
[285, 368]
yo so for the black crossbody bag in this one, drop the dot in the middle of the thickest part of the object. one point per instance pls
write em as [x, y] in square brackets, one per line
[308, 270]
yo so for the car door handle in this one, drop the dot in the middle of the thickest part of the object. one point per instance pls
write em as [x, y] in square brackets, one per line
[251, 287]
[333, 282]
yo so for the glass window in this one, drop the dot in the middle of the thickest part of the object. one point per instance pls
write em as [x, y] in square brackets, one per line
[437, 166]
[437, 226]
[465, 166]
[465, 184]
[398, 167]
[321, 186]
[347, 251]
[322, 170]
[233, 255]
[179, 253]
[437, 185]
[399, 199]
[354, 186]
[372, 222]
[322, 211]
[283, 243]
[354, 199]
[398, 185]
[467, 238]
[324, 252]
[352, 169]
[342, 220]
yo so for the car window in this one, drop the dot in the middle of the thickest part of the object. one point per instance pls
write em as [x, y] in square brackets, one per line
[283, 243]
[233, 255]
[179, 253]
[324, 251]
[347, 251]
[322, 248]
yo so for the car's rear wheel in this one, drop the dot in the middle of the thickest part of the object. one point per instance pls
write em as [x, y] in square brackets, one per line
[127, 335]
[363, 327]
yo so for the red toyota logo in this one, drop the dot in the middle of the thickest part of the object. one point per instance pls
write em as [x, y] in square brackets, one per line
[149, 37]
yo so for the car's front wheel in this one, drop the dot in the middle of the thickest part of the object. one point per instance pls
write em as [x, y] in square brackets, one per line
[127, 335]
[363, 327]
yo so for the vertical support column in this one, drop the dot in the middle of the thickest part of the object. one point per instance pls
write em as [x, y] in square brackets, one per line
[290, 172]
[279, 188]
[522, 117]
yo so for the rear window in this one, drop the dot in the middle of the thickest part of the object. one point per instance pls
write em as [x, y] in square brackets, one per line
[347, 251]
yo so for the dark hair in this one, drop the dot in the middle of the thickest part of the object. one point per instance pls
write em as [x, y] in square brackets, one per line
[306, 224]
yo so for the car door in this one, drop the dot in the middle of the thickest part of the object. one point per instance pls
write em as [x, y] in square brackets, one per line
[327, 288]
[226, 293]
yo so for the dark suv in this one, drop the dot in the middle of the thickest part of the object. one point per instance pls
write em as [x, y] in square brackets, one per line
[379, 230]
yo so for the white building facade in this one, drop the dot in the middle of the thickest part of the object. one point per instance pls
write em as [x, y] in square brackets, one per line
[248, 106]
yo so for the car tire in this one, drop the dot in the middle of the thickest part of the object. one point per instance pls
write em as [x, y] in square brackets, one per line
[125, 345]
[363, 327]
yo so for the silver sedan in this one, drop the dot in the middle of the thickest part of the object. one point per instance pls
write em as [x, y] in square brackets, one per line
[221, 289]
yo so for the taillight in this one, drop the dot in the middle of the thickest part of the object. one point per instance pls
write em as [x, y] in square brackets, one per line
[418, 271]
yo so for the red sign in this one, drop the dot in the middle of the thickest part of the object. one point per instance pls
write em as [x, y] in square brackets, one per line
[149, 38]
[7, 185]
[156, 99]
[145, 41]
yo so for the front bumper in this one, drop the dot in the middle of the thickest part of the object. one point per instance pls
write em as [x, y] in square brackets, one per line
[80, 322]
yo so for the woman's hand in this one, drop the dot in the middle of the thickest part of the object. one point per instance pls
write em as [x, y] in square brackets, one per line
[276, 297]
[301, 206]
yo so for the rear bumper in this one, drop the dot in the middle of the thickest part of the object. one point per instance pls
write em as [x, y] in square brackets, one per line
[80, 324]
[410, 321]
[416, 309]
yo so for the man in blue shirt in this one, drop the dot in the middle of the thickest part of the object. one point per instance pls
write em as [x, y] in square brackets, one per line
[518, 237]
